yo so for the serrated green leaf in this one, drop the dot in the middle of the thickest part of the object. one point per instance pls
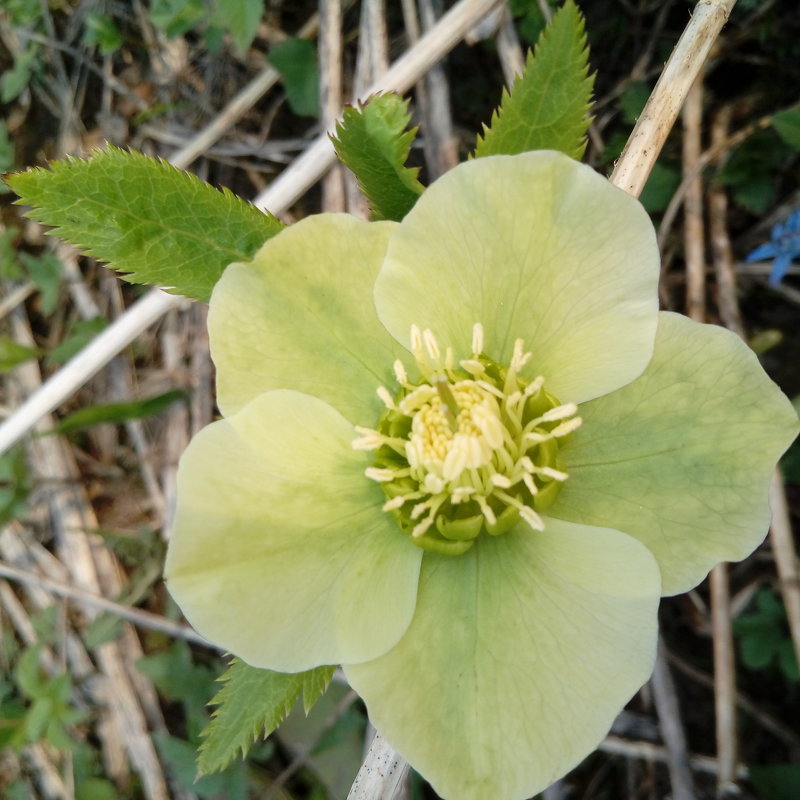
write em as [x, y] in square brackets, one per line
[372, 141]
[146, 218]
[548, 106]
[241, 18]
[787, 124]
[296, 60]
[315, 682]
[250, 705]
[115, 412]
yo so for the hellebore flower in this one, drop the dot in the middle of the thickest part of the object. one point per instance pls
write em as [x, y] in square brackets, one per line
[482, 542]
[784, 247]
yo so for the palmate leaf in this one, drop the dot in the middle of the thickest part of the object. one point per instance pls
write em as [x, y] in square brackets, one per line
[146, 218]
[372, 141]
[250, 705]
[548, 106]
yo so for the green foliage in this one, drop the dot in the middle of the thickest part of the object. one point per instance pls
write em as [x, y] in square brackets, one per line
[9, 263]
[660, 187]
[115, 412]
[13, 81]
[764, 637]
[334, 757]
[101, 31]
[787, 124]
[250, 705]
[548, 106]
[45, 271]
[49, 714]
[13, 354]
[6, 152]
[241, 18]
[373, 142]
[14, 484]
[78, 335]
[176, 17]
[96, 789]
[528, 18]
[296, 60]
[753, 169]
[180, 680]
[776, 781]
[632, 101]
[156, 223]
[179, 755]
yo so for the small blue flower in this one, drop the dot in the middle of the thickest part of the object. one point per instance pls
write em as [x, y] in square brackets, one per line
[784, 247]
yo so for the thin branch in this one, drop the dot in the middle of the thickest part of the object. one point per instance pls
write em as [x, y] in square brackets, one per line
[724, 679]
[144, 619]
[785, 557]
[724, 268]
[655, 752]
[661, 110]
[671, 724]
[693, 230]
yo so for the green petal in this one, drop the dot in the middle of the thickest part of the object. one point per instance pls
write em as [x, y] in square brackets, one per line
[682, 457]
[521, 653]
[301, 316]
[280, 552]
[534, 246]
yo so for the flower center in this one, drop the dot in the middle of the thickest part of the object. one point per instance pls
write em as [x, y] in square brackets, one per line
[467, 449]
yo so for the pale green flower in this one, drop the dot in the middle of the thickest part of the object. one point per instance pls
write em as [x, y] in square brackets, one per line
[515, 300]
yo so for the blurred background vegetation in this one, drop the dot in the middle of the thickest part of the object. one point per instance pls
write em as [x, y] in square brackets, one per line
[106, 701]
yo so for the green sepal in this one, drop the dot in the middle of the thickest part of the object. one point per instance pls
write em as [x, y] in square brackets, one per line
[250, 705]
[445, 547]
[372, 141]
[459, 530]
[504, 521]
[547, 494]
[548, 106]
[147, 219]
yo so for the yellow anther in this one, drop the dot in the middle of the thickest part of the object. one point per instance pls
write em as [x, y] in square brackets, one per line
[468, 441]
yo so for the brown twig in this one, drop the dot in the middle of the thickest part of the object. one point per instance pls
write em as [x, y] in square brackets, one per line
[661, 110]
[785, 557]
[727, 300]
[672, 732]
[330, 93]
[724, 679]
[694, 235]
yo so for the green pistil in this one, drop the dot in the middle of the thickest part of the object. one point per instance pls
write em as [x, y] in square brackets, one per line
[467, 449]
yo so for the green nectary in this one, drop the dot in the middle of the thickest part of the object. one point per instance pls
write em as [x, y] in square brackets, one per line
[469, 448]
